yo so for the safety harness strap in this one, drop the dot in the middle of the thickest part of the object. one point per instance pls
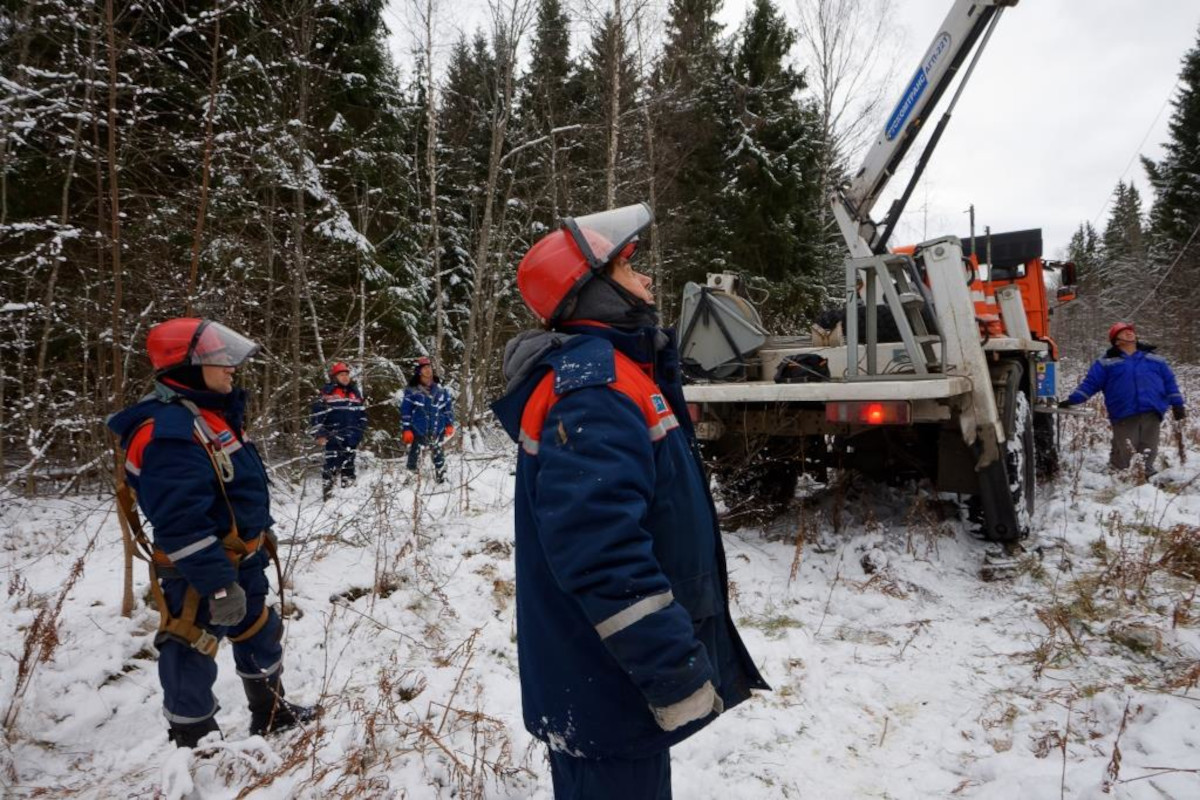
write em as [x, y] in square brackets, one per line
[183, 627]
[263, 616]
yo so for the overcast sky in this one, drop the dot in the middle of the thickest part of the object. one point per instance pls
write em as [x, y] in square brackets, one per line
[1066, 96]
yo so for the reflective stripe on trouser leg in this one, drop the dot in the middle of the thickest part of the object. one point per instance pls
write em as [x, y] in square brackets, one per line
[260, 656]
[187, 675]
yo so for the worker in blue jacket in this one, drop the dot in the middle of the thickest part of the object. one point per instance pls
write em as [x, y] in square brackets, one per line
[1138, 388]
[625, 641]
[339, 418]
[201, 484]
[426, 416]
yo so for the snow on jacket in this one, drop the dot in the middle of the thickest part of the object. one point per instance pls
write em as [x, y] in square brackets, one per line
[426, 411]
[622, 590]
[1132, 384]
[177, 486]
[339, 414]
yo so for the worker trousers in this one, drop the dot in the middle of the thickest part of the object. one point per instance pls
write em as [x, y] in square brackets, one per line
[1136, 435]
[608, 778]
[187, 675]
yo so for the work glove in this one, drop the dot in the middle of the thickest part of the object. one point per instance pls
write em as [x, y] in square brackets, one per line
[1178, 412]
[321, 440]
[697, 705]
[1065, 404]
[449, 431]
[227, 606]
[408, 437]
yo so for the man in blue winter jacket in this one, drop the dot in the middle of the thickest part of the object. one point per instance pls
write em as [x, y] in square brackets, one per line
[1138, 388]
[201, 484]
[426, 416]
[625, 641]
[339, 418]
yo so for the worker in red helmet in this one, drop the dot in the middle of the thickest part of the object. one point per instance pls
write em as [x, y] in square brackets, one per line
[339, 419]
[426, 417]
[1138, 387]
[202, 485]
[625, 641]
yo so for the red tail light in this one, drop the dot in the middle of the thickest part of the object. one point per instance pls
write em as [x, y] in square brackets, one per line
[694, 411]
[870, 412]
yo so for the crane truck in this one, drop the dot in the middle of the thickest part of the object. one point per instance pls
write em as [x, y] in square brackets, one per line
[942, 356]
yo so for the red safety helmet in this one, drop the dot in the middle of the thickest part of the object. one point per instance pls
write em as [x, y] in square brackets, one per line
[340, 366]
[1117, 328]
[196, 342]
[422, 361]
[560, 263]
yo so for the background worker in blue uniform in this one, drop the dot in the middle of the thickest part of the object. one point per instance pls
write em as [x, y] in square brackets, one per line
[625, 641]
[202, 485]
[1138, 388]
[426, 416]
[339, 418]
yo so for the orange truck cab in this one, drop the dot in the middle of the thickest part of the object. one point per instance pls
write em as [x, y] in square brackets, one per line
[1015, 258]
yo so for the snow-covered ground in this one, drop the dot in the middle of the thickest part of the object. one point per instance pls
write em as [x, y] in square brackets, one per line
[898, 672]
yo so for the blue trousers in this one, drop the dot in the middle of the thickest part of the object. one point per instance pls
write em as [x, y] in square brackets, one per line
[611, 778]
[187, 675]
[339, 460]
[434, 443]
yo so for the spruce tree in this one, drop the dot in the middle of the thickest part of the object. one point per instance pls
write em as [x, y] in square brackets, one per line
[1175, 214]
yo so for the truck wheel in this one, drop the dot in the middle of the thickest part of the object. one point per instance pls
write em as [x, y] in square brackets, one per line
[756, 476]
[1019, 461]
[1045, 446]
[1007, 486]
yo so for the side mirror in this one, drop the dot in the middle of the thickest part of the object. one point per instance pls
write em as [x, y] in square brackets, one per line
[1069, 278]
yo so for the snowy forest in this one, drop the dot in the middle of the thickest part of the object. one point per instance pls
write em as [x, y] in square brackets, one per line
[266, 164]
[278, 167]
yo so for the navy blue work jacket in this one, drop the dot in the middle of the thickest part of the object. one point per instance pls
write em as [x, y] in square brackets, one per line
[621, 584]
[339, 414]
[177, 486]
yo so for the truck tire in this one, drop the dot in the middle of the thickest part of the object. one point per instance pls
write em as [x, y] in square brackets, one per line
[1007, 488]
[1045, 444]
[756, 476]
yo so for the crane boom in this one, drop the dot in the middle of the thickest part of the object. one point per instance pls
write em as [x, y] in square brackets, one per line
[967, 23]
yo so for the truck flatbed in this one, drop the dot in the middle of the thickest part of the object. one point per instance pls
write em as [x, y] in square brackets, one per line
[910, 387]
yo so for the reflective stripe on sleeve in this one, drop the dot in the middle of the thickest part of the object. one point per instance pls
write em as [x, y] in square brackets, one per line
[634, 613]
[131, 468]
[664, 426]
[530, 444]
[192, 549]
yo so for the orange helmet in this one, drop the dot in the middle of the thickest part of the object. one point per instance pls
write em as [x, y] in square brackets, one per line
[560, 263]
[1117, 328]
[197, 342]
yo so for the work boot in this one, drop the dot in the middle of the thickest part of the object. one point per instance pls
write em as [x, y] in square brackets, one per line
[269, 712]
[189, 734]
[327, 490]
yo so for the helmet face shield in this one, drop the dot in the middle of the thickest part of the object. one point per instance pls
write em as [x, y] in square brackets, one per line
[214, 345]
[610, 232]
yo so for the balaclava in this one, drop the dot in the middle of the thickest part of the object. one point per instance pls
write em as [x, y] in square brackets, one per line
[604, 300]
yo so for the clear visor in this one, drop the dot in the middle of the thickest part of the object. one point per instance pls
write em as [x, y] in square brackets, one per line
[604, 235]
[215, 345]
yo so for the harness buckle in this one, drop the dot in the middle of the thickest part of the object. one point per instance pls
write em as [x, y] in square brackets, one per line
[207, 644]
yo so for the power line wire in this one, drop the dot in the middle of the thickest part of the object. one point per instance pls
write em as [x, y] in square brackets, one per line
[1137, 151]
[1154, 292]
